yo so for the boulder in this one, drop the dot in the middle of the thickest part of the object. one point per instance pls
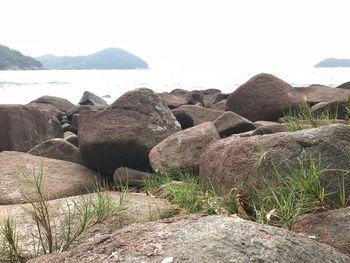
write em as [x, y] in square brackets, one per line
[61, 178]
[195, 98]
[199, 239]
[233, 160]
[58, 149]
[171, 100]
[183, 118]
[331, 228]
[272, 128]
[91, 99]
[71, 138]
[200, 114]
[60, 103]
[184, 148]
[216, 98]
[126, 176]
[319, 93]
[69, 127]
[345, 85]
[220, 106]
[333, 109]
[230, 123]
[264, 97]
[23, 126]
[180, 92]
[75, 120]
[123, 134]
[138, 207]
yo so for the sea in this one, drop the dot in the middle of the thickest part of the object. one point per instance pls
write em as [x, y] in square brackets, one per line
[21, 87]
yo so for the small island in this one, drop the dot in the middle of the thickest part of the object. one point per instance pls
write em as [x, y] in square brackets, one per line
[11, 59]
[110, 58]
[333, 63]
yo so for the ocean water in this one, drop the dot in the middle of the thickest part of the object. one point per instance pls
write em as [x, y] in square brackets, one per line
[21, 87]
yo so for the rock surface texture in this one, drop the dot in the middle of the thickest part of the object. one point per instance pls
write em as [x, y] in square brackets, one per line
[199, 239]
[57, 149]
[184, 148]
[22, 127]
[233, 160]
[61, 178]
[124, 134]
[264, 97]
[331, 228]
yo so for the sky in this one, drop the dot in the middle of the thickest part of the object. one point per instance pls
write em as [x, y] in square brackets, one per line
[183, 33]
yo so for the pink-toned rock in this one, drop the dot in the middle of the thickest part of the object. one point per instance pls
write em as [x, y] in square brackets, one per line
[61, 178]
[264, 97]
[184, 148]
[22, 127]
[123, 134]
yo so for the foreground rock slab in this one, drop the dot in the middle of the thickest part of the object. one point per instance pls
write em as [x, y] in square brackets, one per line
[199, 239]
[138, 208]
[61, 178]
[331, 228]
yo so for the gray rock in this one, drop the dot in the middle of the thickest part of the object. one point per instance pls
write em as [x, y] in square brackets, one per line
[91, 99]
[199, 239]
[268, 129]
[184, 148]
[24, 126]
[231, 123]
[57, 148]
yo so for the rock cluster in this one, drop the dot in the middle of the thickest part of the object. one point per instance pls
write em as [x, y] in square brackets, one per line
[225, 138]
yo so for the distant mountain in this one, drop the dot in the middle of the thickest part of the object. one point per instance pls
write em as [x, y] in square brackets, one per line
[333, 63]
[110, 58]
[14, 60]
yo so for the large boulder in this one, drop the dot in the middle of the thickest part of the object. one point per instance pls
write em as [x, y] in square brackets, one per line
[61, 104]
[264, 97]
[331, 227]
[319, 93]
[200, 114]
[61, 178]
[90, 98]
[57, 149]
[22, 127]
[124, 134]
[234, 160]
[199, 239]
[184, 148]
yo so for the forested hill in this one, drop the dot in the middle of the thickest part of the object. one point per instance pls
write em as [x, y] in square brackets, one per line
[110, 58]
[11, 59]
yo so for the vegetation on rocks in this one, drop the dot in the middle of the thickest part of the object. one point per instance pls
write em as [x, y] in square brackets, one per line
[14, 60]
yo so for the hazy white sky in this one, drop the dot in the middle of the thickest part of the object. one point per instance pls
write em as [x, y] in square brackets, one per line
[183, 33]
